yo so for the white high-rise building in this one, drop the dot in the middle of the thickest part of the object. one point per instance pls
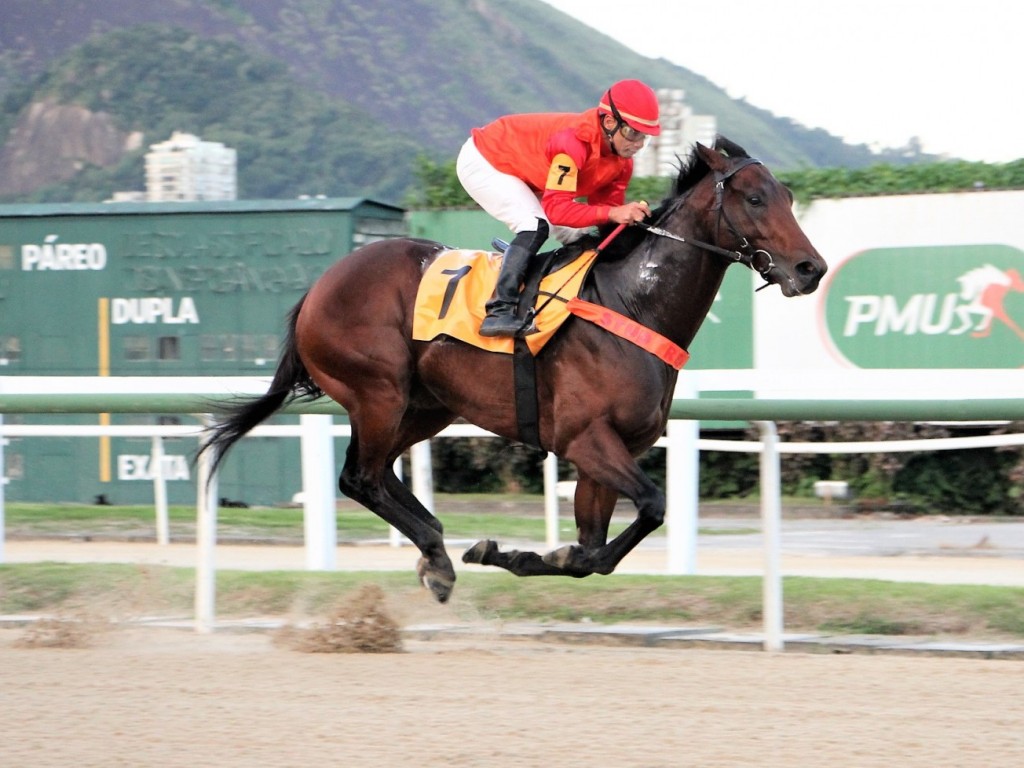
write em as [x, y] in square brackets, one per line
[680, 129]
[187, 168]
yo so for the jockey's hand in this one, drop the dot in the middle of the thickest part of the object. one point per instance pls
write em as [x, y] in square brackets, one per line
[630, 213]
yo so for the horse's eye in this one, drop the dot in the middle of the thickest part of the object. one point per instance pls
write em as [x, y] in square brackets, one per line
[755, 200]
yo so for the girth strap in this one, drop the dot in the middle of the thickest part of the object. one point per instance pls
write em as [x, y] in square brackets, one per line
[524, 371]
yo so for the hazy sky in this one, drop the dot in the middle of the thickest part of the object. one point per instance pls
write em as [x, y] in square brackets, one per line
[950, 72]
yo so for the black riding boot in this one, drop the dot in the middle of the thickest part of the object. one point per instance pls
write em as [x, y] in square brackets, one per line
[501, 317]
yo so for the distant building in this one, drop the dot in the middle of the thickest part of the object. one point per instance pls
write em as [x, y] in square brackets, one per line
[680, 129]
[187, 168]
[129, 196]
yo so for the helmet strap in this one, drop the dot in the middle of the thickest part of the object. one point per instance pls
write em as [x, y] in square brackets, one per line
[618, 123]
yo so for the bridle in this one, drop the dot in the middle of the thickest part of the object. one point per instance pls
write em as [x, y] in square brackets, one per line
[759, 260]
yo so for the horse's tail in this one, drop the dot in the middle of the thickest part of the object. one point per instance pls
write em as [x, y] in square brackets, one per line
[291, 382]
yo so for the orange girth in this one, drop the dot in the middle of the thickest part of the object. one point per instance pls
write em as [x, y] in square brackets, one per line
[665, 350]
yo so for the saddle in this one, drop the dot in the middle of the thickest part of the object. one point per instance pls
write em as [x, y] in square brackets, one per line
[457, 284]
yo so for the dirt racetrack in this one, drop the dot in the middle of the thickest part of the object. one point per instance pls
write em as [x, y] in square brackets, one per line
[166, 697]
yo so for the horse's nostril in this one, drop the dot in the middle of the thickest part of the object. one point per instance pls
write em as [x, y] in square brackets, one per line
[807, 269]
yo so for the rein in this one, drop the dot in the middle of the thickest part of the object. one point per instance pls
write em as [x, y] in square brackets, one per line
[746, 254]
[660, 346]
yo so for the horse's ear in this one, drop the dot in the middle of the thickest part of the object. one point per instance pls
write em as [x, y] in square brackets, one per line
[715, 160]
[729, 148]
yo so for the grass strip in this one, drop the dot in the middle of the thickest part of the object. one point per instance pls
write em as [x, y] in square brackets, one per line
[830, 606]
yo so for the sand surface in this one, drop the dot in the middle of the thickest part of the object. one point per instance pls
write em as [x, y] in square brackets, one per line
[148, 696]
[164, 697]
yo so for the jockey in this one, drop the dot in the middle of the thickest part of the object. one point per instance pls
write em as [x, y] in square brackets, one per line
[530, 171]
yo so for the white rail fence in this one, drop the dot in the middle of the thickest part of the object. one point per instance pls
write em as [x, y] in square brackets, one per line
[868, 396]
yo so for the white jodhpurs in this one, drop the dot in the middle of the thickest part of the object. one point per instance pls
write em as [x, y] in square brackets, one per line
[505, 197]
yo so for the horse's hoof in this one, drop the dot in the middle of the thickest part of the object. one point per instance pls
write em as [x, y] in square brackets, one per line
[563, 557]
[571, 558]
[440, 584]
[480, 553]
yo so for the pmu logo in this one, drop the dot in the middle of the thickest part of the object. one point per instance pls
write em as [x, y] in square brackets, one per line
[929, 307]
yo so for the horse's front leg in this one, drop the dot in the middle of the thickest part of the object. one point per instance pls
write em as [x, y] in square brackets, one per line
[517, 562]
[593, 505]
[606, 470]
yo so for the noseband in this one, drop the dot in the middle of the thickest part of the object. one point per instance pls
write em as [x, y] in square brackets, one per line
[759, 260]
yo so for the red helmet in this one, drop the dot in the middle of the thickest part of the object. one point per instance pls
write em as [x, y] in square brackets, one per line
[634, 104]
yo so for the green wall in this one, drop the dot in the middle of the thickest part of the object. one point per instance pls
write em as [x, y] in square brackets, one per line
[133, 289]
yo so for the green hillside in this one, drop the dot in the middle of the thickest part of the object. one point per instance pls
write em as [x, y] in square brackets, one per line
[290, 140]
[335, 97]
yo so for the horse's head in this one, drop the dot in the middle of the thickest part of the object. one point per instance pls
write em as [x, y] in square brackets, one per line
[751, 214]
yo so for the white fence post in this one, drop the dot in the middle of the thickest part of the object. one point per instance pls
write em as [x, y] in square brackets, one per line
[551, 501]
[682, 491]
[3, 482]
[422, 474]
[421, 468]
[422, 471]
[771, 529]
[206, 541]
[682, 486]
[319, 502]
[395, 537]
[156, 461]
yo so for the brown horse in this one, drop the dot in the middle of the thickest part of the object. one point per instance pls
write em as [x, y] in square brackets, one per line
[602, 401]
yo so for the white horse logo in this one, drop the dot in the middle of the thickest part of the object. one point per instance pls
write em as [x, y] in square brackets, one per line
[985, 289]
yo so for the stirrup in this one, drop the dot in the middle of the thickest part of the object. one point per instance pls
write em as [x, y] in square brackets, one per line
[500, 325]
[529, 324]
[522, 328]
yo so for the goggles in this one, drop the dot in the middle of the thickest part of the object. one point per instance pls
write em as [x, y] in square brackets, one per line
[632, 135]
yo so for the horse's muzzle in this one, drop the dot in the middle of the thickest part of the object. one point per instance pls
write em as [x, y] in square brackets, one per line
[801, 278]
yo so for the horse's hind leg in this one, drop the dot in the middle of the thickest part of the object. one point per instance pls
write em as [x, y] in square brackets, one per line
[377, 490]
[368, 477]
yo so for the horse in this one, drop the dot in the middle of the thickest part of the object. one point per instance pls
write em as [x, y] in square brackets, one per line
[602, 400]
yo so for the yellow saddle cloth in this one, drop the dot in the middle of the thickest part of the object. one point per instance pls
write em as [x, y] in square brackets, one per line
[452, 294]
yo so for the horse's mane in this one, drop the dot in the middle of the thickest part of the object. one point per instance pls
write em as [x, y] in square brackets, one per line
[691, 171]
[696, 169]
